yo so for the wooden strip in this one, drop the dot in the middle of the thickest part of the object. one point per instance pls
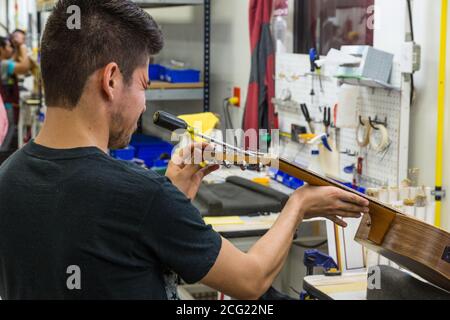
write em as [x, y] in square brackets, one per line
[160, 85]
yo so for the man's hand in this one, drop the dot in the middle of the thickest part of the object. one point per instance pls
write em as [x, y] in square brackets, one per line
[185, 170]
[331, 203]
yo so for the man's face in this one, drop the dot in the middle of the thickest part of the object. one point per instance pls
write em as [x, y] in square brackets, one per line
[18, 38]
[128, 107]
[8, 51]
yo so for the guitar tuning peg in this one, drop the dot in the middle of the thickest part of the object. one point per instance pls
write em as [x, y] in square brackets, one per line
[244, 166]
[260, 167]
[227, 164]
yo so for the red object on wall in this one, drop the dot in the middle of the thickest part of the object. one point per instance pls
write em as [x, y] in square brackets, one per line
[259, 109]
[237, 94]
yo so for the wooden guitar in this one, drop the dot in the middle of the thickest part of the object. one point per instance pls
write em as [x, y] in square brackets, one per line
[411, 243]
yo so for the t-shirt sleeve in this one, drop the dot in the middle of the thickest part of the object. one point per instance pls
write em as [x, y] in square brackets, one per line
[11, 67]
[7, 69]
[176, 233]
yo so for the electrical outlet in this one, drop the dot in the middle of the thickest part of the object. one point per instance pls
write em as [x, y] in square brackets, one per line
[237, 94]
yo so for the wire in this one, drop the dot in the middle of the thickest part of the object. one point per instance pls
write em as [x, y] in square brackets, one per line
[295, 291]
[306, 246]
[228, 120]
[226, 111]
[363, 134]
[411, 27]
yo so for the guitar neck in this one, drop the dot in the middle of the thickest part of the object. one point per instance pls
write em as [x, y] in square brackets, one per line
[320, 181]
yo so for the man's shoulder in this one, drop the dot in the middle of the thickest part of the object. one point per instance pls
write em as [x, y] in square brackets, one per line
[96, 169]
[127, 174]
[132, 170]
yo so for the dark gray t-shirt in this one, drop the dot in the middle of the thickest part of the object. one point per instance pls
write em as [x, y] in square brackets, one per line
[122, 229]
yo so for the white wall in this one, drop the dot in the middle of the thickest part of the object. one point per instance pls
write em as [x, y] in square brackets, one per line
[3, 19]
[424, 112]
[231, 55]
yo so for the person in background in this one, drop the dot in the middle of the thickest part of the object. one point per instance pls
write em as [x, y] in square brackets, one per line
[11, 65]
[18, 38]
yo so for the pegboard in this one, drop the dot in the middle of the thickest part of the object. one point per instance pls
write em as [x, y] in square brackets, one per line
[292, 72]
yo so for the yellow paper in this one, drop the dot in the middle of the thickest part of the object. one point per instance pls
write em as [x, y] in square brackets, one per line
[221, 221]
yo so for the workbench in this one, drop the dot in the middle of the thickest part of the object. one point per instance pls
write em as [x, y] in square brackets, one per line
[245, 231]
[350, 286]
[393, 284]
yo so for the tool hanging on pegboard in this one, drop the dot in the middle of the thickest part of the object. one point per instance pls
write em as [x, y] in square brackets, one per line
[315, 71]
[383, 167]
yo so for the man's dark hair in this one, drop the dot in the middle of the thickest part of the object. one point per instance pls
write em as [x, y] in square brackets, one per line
[111, 31]
[3, 42]
[19, 31]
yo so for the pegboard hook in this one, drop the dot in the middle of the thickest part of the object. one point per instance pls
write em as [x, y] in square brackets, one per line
[372, 123]
[361, 122]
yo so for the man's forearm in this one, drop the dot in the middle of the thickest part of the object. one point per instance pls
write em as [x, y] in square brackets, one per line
[23, 54]
[23, 64]
[272, 250]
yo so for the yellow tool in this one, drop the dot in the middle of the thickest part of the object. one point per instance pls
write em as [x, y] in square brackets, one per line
[200, 123]
[262, 181]
[307, 137]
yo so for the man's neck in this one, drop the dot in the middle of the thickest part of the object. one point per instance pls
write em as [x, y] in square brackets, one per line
[69, 129]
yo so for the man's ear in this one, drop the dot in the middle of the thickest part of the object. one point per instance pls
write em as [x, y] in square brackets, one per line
[110, 80]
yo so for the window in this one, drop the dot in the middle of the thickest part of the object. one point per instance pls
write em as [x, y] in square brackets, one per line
[327, 24]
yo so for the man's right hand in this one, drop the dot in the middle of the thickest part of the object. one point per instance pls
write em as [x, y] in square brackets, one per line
[331, 203]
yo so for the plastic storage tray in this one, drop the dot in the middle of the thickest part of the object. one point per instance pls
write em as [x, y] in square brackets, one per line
[150, 149]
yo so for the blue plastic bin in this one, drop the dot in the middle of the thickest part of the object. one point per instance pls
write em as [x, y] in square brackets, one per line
[287, 180]
[157, 72]
[151, 149]
[182, 76]
[124, 154]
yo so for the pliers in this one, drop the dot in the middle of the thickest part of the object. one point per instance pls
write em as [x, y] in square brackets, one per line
[327, 119]
[307, 116]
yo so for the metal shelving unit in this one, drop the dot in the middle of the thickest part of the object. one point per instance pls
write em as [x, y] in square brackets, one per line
[163, 91]
[195, 92]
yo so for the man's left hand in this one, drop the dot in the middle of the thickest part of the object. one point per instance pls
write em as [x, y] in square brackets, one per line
[187, 174]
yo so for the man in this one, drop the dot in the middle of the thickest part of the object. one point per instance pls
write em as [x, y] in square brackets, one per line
[9, 86]
[76, 224]
[18, 38]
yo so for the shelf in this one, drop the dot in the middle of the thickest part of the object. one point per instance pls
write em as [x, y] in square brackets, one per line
[167, 85]
[164, 91]
[370, 83]
[47, 5]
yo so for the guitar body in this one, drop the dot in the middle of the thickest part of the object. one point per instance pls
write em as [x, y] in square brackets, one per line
[414, 245]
